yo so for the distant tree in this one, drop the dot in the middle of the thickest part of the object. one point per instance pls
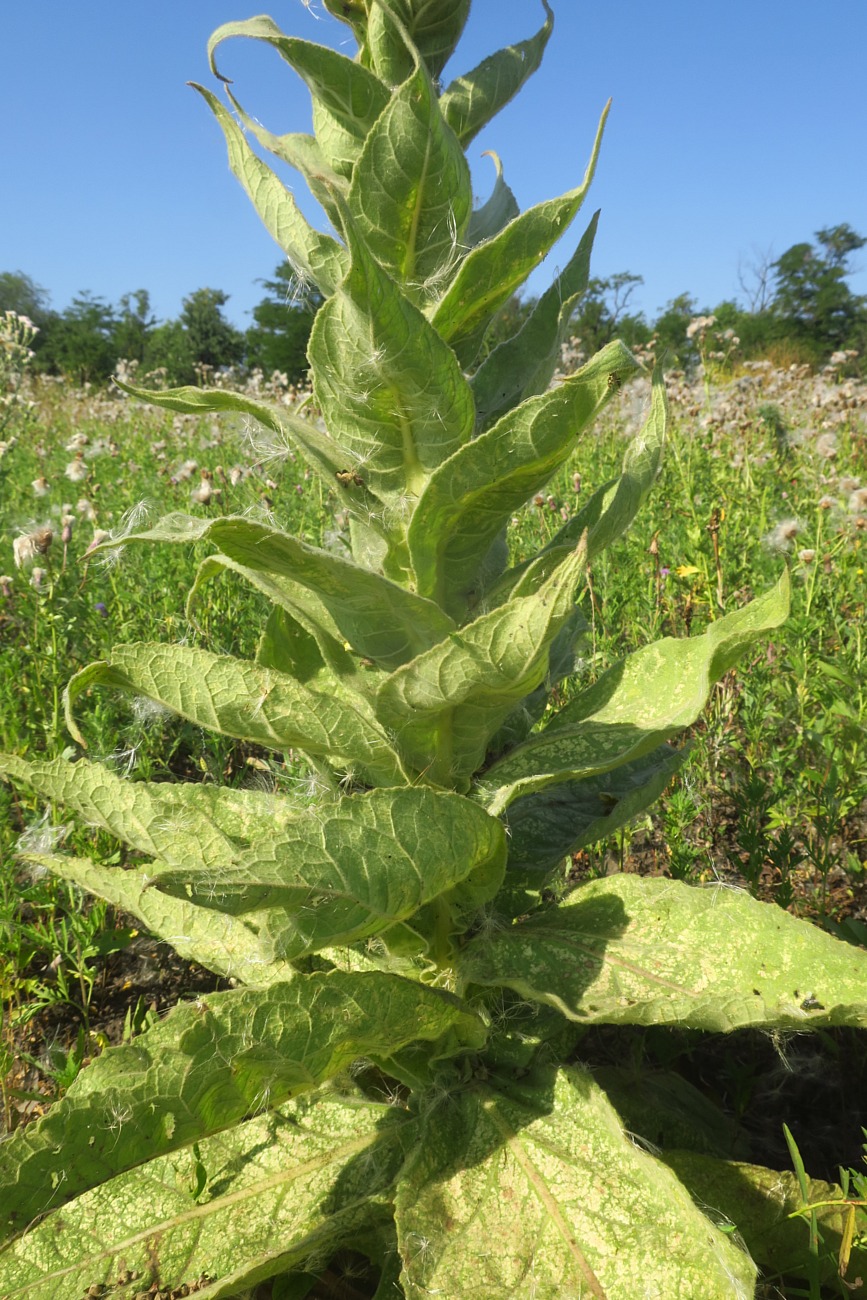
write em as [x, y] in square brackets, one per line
[812, 300]
[673, 346]
[133, 325]
[283, 321]
[79, 343]
[21, 294]
[168, 349]
[602, 313]
[213, 340]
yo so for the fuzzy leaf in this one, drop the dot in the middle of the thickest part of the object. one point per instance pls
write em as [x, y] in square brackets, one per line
[226, 945]
[470, 101]
[493, 271]
[390, 390]
[314, 256]
[523, 365]
[381, 620]
[496, 212]
[432, 26]
[634, 705]
[759, 1202]
[349, 870]
[449, 702]
[547, 826]
[470, 498]
[411, 192]
[236, 697]
[727, 961]
[208, 1066]
[539, 1196]
[279, 1188]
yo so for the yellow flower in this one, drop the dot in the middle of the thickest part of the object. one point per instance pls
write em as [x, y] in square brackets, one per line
[686, 570]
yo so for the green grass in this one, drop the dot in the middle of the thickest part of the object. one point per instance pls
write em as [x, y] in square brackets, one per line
[773, 798]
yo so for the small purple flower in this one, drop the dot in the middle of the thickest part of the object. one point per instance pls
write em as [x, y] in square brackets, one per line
[101, 609]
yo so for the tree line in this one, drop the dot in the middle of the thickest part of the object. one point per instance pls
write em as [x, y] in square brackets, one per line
[797, 308]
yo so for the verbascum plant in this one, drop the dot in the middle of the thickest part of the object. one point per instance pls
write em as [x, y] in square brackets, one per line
[396, 1069]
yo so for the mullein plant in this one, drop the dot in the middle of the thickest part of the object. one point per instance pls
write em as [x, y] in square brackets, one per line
[395, 1070]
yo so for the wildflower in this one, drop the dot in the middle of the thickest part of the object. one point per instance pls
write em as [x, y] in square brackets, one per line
[576, 482]
[826, 446]
[826, 503]
[101, 609]
[37, 577]
[858, 500]
[76, 471]
[806, 556]
[5, 585]
[40, 486]
[686, 570]
[781, 537]
[67, 522]
[100, 535]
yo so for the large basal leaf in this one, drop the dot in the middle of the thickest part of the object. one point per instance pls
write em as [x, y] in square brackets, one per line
[313, 255]
[609, 512]
[545, 827]
[411, 192]
[524, 364]
[759, 1202]
[349, 870]
[208, 1066]
[444, 707]
[630, 950]
[389, 388]
[493, 271]
[470, 498]
[432, 26]
[242, 1206]
[381, 620]
[470, 101]
[226, 945]
[540, 1197]
[634, 705]
[236, 697]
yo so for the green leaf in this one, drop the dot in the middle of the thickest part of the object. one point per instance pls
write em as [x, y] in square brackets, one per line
[545, 827]
[381, 620]
[759, 1202]
[313, 256]
[470, 498]
[351, 94]
[523, 365]
[238, 698]
[542, 1196]
[608, 513]
[208, 1066]
[389, 389]
[433, 26]
[280, 1189]
[493, 271]
[225, 944]
[727, 961]
[634, 705]
[411, 193]
[665, 1110]
[448, 703]
[470, 101]
[496, 212]
[351, 869]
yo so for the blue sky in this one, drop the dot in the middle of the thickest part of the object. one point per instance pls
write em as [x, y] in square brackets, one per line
[735, 130]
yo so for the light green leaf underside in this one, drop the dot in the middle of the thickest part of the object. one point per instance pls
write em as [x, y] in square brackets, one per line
[221, 943]
[237, 697]
[449, 702]
[475, 492]
[639, 951]
[389, 388]
[493, 271]
[411, 192]
[759, 1201]
[496, 212]
[313, 255]
[471, 100]
[349, 870]
[544, 1198]
[523, 366]
[279, 1189]
[208, 1066]
[380, 620]
[634, 705]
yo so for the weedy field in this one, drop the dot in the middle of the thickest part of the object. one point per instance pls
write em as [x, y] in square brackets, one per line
[762, 467]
